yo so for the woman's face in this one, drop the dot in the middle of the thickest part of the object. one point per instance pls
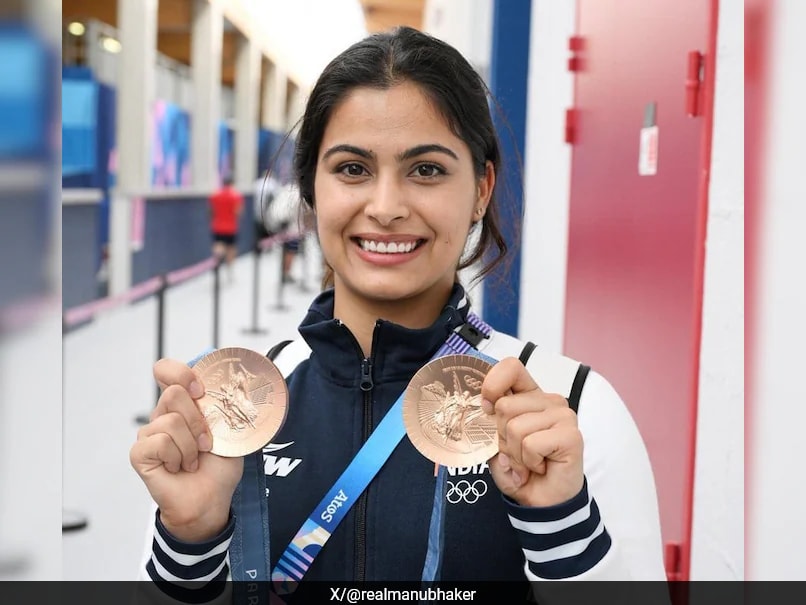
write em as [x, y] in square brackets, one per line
[395, 195]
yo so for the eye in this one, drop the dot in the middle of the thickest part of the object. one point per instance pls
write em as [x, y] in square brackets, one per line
[352, 169]
[428, 170]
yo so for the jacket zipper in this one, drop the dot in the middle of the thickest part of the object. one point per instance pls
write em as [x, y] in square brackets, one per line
[361, 506]
[366, 385]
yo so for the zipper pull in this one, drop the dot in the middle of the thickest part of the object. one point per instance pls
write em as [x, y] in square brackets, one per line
[366, 375]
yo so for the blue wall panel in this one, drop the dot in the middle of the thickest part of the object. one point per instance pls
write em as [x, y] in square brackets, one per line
[79, 259]
[177, 235]
[509, 70]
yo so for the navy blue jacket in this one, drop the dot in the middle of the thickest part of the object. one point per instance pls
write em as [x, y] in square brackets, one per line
[337, 397]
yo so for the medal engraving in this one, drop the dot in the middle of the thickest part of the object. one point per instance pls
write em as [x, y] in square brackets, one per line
[442, 412]
[245, 400]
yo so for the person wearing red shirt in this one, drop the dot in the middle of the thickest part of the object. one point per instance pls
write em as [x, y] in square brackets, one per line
[226, 206]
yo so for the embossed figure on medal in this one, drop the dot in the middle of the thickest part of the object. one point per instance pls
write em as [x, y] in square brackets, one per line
[458, 408]
[237, 410]
[245, 401]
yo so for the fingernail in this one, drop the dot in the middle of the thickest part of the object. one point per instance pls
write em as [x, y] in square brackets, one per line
[503, 460]
[194, 465]
[196, 390]
[516, 477]
[487, 406]
[205, 443]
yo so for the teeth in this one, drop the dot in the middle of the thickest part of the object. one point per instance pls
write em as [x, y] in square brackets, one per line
[387, 248]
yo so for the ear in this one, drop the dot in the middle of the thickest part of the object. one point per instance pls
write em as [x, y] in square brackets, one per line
[485, 189]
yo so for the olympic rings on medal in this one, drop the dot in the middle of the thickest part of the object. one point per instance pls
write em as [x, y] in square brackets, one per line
[464, 490]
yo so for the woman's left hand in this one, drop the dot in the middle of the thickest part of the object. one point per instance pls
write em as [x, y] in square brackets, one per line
[540, 447]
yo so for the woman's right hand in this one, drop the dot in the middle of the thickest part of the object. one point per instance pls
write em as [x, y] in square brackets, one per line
[192, 487]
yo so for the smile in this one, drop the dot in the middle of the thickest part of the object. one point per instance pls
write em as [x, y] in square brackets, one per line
[388, 247]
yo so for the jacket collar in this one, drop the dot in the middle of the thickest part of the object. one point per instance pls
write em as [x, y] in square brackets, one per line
[397, 352]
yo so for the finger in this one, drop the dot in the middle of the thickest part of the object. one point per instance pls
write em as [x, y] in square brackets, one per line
[508, 375]
[513, 405]
[558, 444]
[168, 372]
[176, 399]
[517, 472]
[174, 425]
[513, 432]
[155, 451]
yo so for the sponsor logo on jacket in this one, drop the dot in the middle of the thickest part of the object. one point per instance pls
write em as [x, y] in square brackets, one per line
[280, 466]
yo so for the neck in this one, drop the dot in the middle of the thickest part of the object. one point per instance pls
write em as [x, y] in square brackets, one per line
[360, 314]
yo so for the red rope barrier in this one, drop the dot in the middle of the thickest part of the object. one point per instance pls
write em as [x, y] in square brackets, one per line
[82, 313]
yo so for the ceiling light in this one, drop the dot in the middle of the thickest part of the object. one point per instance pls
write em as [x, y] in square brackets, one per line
[76, 28]
[111, 45]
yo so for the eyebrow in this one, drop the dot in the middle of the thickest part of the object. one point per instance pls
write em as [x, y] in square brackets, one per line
[423, 149]
[348, 149]
[406, 155]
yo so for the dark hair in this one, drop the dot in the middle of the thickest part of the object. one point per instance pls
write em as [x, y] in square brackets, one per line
[406, 55]
[228, 180]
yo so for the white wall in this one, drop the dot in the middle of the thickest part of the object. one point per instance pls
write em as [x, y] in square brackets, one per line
[776, 526]
[547, 169]
[717, 540]
[465, 25]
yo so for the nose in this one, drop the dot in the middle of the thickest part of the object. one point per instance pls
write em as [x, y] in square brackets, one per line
[386, 202]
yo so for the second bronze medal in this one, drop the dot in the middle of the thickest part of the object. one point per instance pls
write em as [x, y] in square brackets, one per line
[442, 412]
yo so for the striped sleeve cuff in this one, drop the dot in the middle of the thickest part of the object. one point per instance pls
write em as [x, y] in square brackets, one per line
[561, 541]
[190, 572]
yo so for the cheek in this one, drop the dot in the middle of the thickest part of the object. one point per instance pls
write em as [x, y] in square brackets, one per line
[328, 224]
[331, 226]
[334, 205]
[457, 231]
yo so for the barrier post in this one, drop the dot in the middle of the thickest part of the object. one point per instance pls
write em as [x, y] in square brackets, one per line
[303, 259]
[161, 323]
[71, 520]
[216, 301]
[144, 418]
[281, 306]
[255, 291]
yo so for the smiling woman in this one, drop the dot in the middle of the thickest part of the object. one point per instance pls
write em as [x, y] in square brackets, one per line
[397, 159]
[397, 127]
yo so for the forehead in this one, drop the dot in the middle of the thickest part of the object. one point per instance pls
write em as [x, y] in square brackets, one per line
[402, 114]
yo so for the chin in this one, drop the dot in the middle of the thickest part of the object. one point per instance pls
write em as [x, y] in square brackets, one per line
[394, 291]
[390, 293]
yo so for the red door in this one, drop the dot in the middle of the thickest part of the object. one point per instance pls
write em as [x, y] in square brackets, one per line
[636, 241]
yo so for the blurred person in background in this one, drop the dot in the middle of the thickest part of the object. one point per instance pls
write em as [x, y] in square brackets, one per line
[226, 206]
[277, 211]
[284, 216]
[266, 188]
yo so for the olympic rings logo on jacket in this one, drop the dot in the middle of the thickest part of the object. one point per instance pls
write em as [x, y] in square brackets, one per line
[465, 491]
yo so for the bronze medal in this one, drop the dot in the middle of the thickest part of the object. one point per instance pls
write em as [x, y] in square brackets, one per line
[245, 401]
[442, 412]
